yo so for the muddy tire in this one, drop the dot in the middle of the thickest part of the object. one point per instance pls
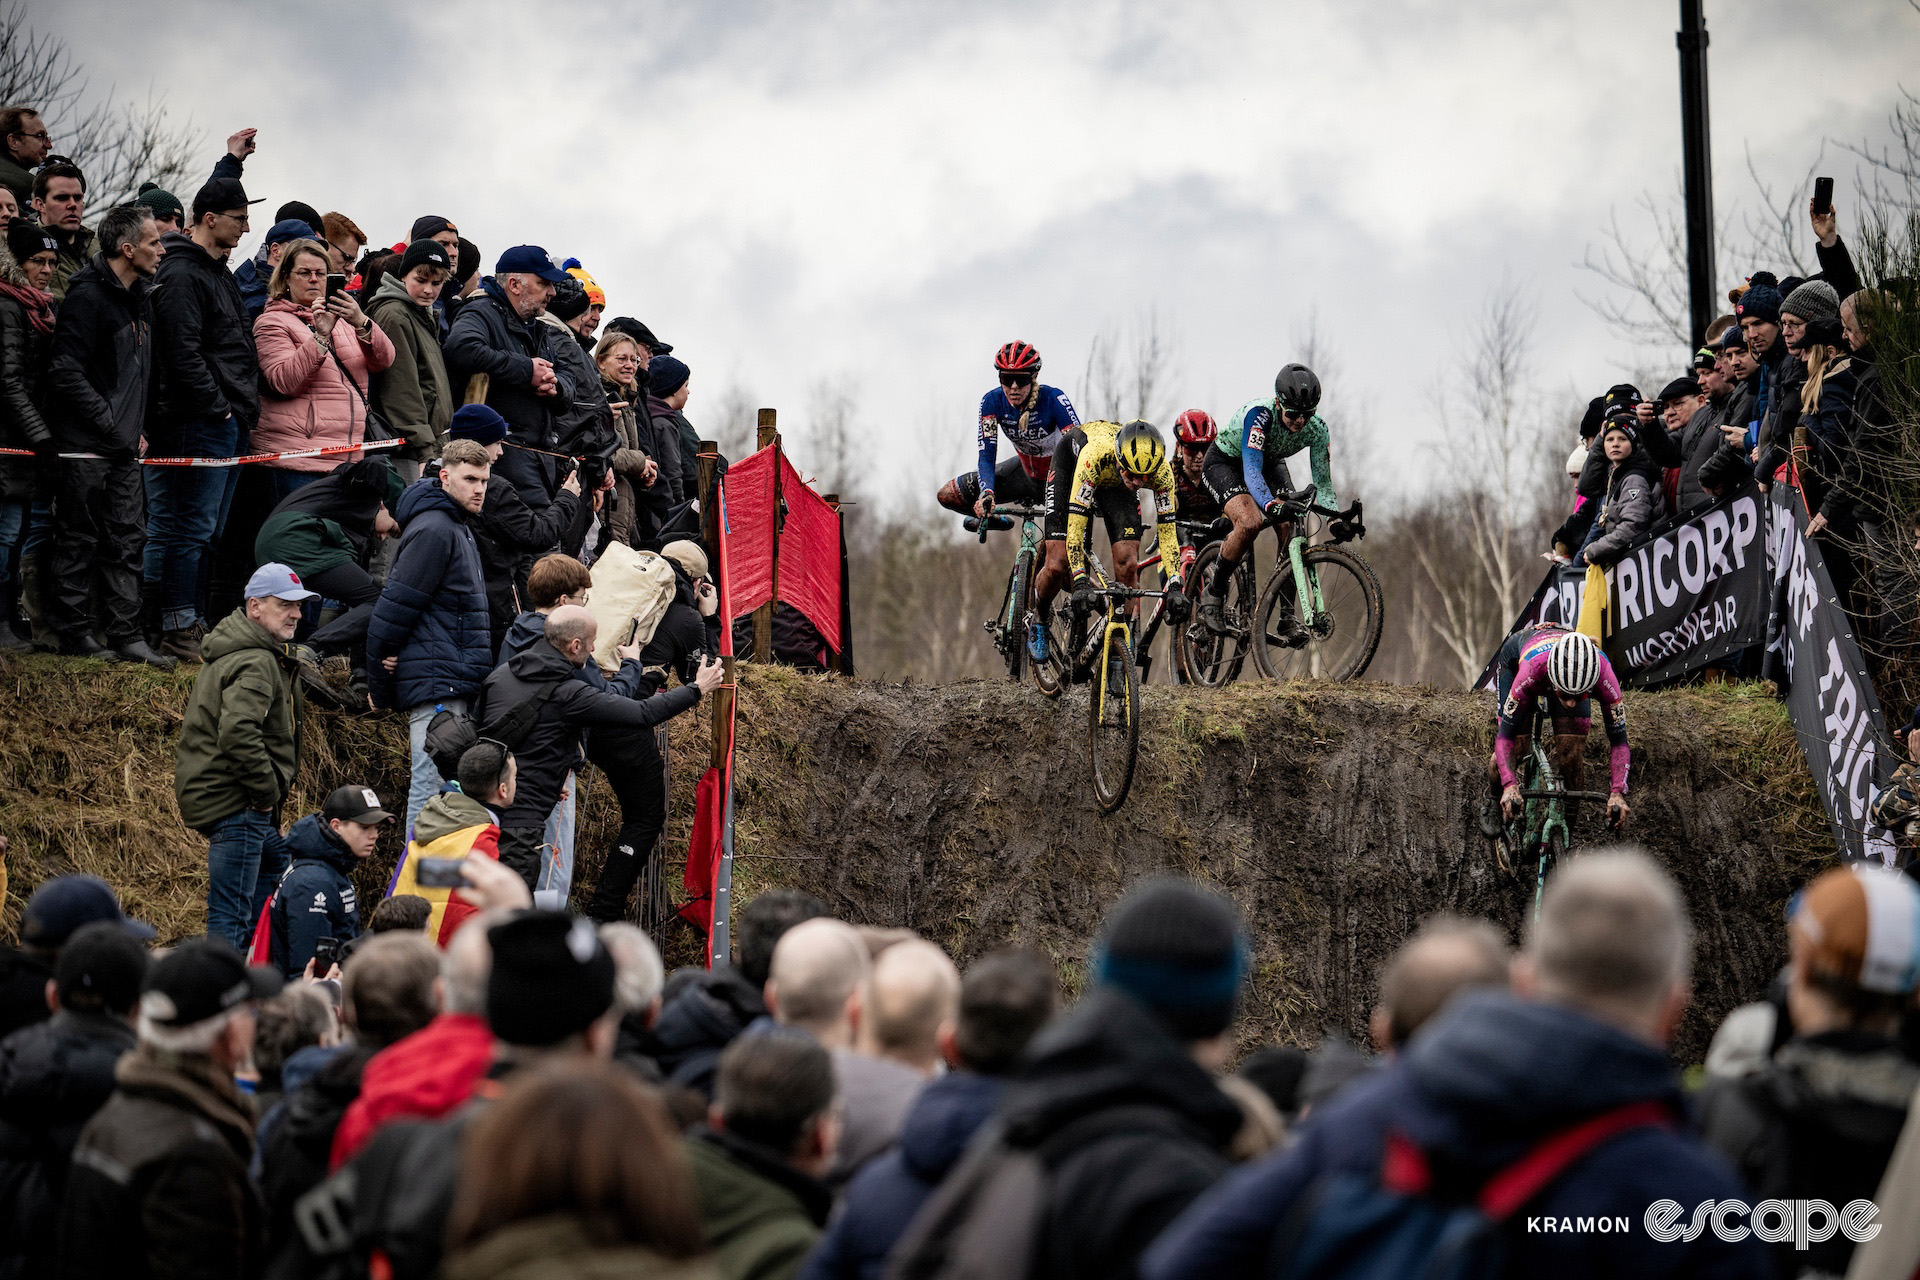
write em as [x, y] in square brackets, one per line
[1013, 617]
[1203, 657]
[1113, 725]
[1342, 640]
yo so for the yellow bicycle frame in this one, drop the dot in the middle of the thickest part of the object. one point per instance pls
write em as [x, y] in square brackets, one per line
[1116, 623]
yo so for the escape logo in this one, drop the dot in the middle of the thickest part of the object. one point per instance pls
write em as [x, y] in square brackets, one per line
[1803, 1222]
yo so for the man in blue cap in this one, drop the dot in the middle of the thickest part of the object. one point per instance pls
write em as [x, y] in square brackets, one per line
[58, 909]
[240, 748]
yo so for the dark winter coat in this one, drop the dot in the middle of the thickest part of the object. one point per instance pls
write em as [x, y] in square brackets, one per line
[432, 613]
[511, 534]
[762, 1215]
[666, 448]
[204, 362]
[23, 988]
[583, 425]
[549, 750]
[1111, 1196]
[413, 394]
[488, 337]
[697, 1024]
[1475, 1090]
[53, 1077]
[1871, 454]
[883, 1197]
[24, 355]
[1830, 431]
[159, 1182]
[101, 371]
[1819, 1123]
[681, 639]
[252, 278]
[239, 742]
[315, 899]
[530, 628]
[1697, 443]
[330, 522]
[1629, 508]
[296, 1143]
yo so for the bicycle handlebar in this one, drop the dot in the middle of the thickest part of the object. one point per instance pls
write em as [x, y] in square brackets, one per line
[1565, 795]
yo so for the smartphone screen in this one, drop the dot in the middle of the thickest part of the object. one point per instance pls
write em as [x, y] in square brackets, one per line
[1823, 195]
[439, 873]
[326, 953]
[335, 283]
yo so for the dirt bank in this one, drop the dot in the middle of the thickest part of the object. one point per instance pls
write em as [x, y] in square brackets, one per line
[1337, 817]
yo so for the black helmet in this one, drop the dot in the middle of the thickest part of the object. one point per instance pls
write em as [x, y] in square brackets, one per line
[1297, 389]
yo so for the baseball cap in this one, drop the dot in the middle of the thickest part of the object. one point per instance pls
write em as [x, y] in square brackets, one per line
[688, 555]
[219, 195]
[639, 333]
[203, 979]
[551, 978]
[289, 229]
[1677, 388]
[354, 804]
[1861, 925]
[101, 967]
[62, 905]
[424, 253]
[278, 581]
[529, 259]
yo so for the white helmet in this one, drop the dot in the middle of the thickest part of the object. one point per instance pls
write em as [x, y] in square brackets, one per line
[1574, 665]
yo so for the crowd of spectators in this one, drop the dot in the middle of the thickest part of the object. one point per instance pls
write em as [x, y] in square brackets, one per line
[528, 1094]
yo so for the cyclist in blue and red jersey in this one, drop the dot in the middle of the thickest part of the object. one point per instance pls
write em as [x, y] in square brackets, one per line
[1563, 670]
[1031, 416]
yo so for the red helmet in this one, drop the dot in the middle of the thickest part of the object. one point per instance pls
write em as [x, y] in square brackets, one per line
[1194, 427]
[1017, 357]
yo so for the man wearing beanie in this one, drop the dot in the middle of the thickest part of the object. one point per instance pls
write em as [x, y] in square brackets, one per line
[549, 997]
[1821, 1120]
[168, 213]
[414, 394]
[1775, 387]
[1130, 1070]
[668, 384]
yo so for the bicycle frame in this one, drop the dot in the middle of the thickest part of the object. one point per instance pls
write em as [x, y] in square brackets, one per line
[1029, 542]
[1545, 812]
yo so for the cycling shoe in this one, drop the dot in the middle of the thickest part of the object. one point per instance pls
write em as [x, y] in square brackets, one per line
[1036, 639]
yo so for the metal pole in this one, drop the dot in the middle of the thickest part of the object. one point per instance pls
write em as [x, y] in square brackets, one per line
[1697, 160]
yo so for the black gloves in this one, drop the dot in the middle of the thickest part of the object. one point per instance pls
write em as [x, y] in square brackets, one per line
[1177, 606]
[1085, 598]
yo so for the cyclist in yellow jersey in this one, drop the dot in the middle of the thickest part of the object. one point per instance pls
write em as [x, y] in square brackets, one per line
[1113, 464]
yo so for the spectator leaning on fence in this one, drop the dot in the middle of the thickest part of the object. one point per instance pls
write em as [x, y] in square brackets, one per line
[209, 399]
[239, 747]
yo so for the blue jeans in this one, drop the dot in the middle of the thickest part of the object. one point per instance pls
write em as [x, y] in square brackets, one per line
[425, 781]
[186, 514]
[13, 528]
[286, 483]
[556, 846]
[240, 875]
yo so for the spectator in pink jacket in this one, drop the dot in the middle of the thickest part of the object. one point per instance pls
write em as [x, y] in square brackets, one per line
[317, 357]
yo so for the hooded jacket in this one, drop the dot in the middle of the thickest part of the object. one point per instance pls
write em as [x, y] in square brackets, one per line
[24, 354]
[413, 393]
[432, 613]
[307, 402]
[1629, 508]
[240, 737]
[762, 1215]
[450, 825]
[884, 1197]
[53, 1076]
[204, 361]
[531, 627]
[159, 1183]
[1111, 1195]
[549, 749]
[315, 899]
[1476, 1089]
[512, 533]
[696, 1025]
[421, 1077]
[101, 369]
[330, 522]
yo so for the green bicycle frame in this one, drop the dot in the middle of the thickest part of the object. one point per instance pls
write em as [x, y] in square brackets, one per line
[1029, 541]
[1544, 817]
[1306, 585]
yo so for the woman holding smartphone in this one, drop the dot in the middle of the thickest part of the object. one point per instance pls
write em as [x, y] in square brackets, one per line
[318, 352]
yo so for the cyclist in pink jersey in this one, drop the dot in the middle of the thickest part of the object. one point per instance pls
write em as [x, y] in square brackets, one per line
[1560, 670]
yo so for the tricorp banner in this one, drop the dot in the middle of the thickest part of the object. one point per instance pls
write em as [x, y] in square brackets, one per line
[1812, 654]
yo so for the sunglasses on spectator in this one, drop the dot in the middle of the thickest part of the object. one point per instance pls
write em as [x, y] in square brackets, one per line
[1016, 379]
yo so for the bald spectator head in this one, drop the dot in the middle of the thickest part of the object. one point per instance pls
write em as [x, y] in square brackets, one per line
[572, 629]
[1447, 955]
[818, 980]
[1612, 941]
[913, 995]
[468, 961]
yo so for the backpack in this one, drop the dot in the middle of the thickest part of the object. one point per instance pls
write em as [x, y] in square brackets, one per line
[450, 733]
[631, 592]
[1389, 1225]
[986, 1218]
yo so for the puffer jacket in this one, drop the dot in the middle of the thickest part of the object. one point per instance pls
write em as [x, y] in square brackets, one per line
[100, 373]
[1628, 510]
[24, 353]
[239, 742]
[204, 362]
[432, 613]
[413, 393]
[512, 533]
[315, 899]
[53, 1077]
[306, 403]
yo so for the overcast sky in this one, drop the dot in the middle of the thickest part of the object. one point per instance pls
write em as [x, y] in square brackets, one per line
[882, 193]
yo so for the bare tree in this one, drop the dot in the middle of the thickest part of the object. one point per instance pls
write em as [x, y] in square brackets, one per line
[1130, 371]
[117, 144]
[732, 421]
[830, 436]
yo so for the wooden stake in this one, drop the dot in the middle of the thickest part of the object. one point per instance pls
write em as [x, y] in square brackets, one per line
[769, 436]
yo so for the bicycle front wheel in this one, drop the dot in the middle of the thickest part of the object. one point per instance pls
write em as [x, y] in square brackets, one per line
[1113, 725]
[1013, 618]
[1206, 657]
[1291, 642]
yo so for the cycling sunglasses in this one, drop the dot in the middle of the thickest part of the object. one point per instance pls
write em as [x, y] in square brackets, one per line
[1016, 379]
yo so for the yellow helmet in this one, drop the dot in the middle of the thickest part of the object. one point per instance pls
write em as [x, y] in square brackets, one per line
[1139, 448]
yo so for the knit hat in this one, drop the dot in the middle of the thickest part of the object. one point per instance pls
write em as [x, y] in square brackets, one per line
[424, 253]
[569, 299]
[1590, 420]
[477, 422]
[164, 203]
[429, 225]
[688, 555]
[1812, 301]
[1762, 299]
[666, 375]
[596, 296]
[24, 239]
[1179, 950]
[1621, 419]
[1861, 926]
[551, 978]
[300, 211]
[1734, 339]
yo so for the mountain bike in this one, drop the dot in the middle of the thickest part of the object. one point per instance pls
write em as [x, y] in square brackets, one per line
[1321, 614]
[1008, 625]
[1542, 831]
[1098, 651]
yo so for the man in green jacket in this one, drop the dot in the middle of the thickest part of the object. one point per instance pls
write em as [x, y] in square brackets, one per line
[773, 1130]
[240, 748]
[413, 393]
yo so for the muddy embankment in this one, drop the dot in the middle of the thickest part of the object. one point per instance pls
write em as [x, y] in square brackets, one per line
[1337, 817]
